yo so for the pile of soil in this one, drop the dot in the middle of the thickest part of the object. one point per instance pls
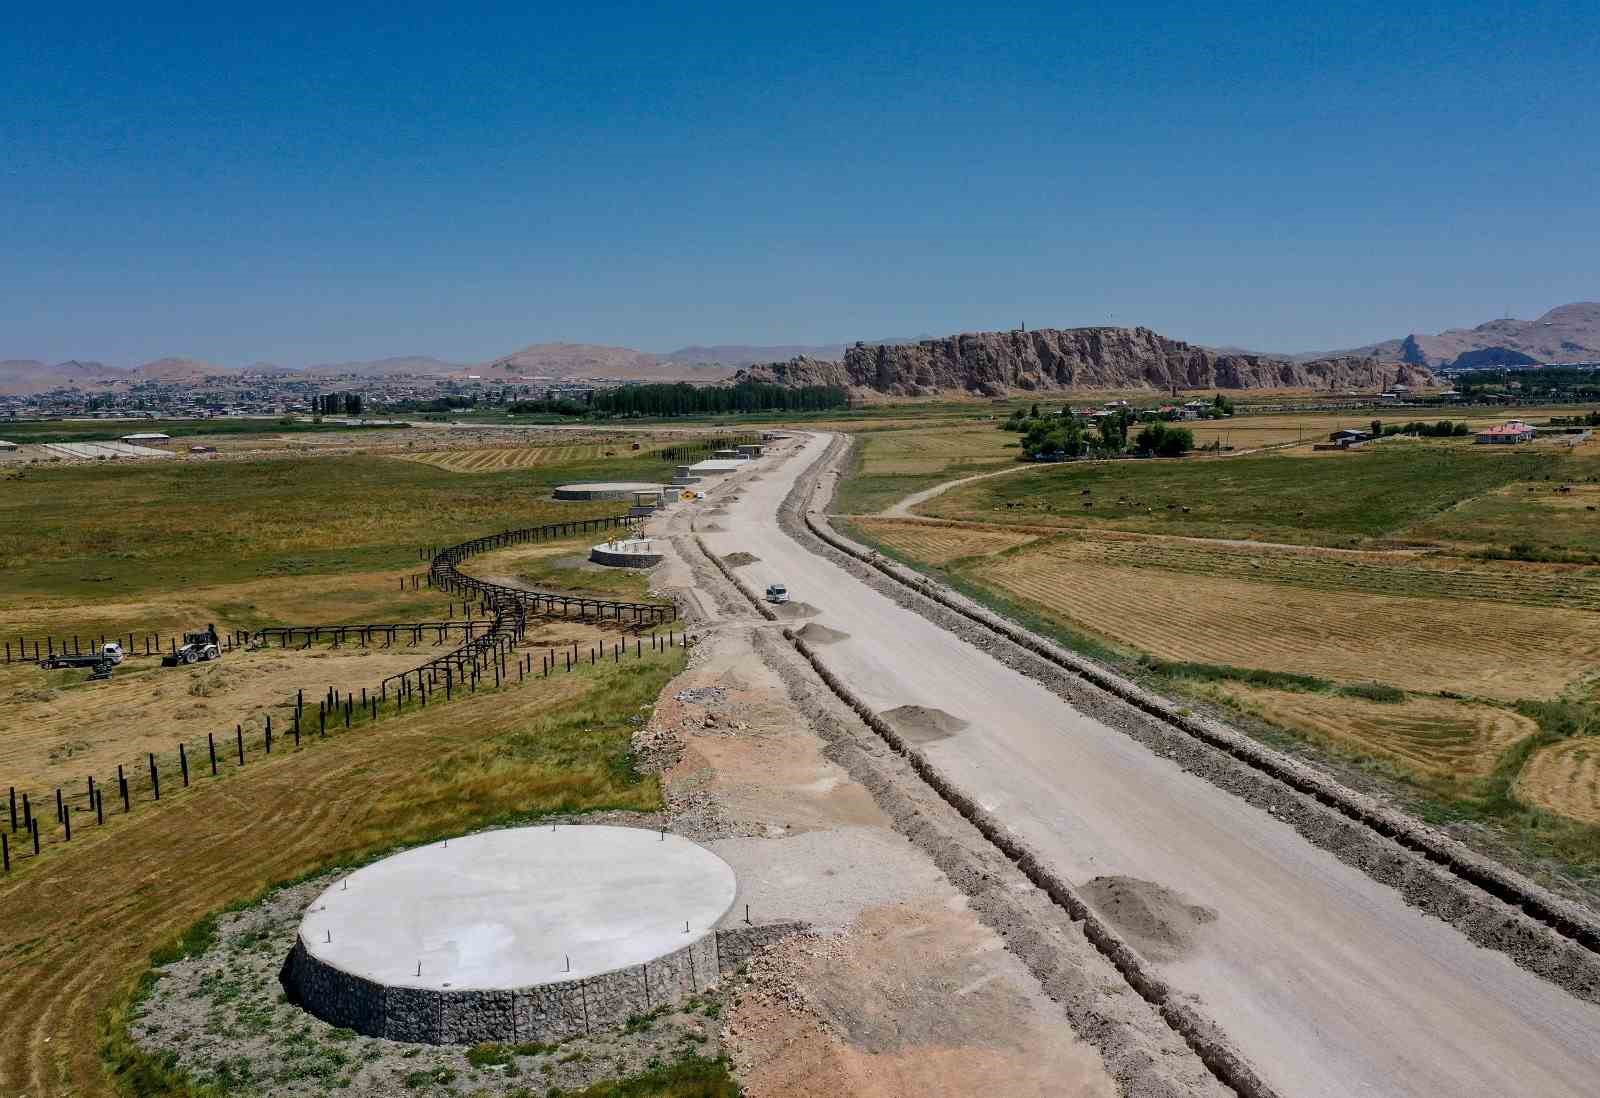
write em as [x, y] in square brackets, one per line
[816, 633]
[921, 724]
[711, 528]
[739, 559]
[1155, 920]
[792, 611]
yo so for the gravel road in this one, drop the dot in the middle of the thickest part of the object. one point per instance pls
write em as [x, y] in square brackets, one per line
[1326, 980]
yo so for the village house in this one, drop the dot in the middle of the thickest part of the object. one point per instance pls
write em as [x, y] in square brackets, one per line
[1510, 432]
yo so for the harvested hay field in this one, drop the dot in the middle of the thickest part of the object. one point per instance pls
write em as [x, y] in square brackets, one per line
[1377, 573]
[360, 596]
[63, 728]
[1425, 644]
[499, 459]
[1564, 778]
[1437, 739]
[940, 543]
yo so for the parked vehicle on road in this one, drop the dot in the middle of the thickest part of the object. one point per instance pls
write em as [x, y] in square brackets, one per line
[777, 592]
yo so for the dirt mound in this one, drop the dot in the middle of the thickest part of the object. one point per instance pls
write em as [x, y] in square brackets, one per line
[712, 528]
[816, 633]
[791, 611]
[739, 559]
[920, 724]
[1155, 920]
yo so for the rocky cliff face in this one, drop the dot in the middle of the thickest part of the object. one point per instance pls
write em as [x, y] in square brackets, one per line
[995, 363]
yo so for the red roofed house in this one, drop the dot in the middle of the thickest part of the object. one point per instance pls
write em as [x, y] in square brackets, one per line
[1513, 431]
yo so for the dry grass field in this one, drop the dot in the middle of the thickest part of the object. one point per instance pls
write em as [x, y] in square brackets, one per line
[1439, 740]
[1425, 644]
[81, 924]
[1564, 778]
[63, 728]
[498, 459]
[940, 543]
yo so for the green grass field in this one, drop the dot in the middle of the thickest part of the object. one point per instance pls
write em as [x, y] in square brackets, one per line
[85, 532]
[1338, 500]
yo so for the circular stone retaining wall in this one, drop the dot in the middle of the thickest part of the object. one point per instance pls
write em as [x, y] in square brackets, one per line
[627, 553]
[604, 490]
[527, 934]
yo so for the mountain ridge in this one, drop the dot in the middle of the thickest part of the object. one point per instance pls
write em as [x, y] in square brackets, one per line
[995, 364]
[1566, 333]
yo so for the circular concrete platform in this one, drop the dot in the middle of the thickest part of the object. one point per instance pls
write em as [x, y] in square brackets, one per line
[627, 553]
[604, 490]
[507, 934]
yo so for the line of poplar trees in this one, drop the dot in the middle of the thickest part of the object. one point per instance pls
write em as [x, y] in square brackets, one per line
[686, 400]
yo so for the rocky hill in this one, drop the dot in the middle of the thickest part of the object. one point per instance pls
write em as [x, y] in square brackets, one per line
[1568, 333]
[996, 363]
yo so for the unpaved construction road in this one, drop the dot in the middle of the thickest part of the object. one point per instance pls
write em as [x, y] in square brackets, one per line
[1325, 980]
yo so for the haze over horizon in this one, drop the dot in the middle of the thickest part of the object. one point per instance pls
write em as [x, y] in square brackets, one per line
[296, 186]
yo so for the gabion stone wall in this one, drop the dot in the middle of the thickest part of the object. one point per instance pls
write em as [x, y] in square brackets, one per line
[547, 1012]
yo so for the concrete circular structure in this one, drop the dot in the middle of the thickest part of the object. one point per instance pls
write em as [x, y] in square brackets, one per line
[604, 490]
[627, 553]
[517, 934]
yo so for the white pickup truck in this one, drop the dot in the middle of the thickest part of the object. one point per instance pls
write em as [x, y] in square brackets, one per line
[777, 592]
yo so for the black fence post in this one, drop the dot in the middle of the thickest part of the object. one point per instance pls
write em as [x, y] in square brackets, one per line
[5, 851]
[13, 810]
[183, 761]
[269, 734]
[35, 838]
[211, 749]
[66, 822]
[155, 776]
[100, 806]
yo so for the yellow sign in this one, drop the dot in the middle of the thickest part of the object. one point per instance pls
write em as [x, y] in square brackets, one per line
[687, 495]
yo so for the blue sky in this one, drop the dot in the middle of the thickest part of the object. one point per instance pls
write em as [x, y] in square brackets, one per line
[298, 184]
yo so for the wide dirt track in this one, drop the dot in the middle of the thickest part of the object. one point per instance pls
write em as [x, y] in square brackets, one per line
[1326, 981]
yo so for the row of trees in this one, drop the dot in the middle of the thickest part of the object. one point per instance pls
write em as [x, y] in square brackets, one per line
[687, 400]
[1065, 435]
[1442, 429]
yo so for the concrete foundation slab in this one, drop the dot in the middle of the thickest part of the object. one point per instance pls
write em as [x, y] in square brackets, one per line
[515, 908]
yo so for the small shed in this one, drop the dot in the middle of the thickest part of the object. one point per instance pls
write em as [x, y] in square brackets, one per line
[7, 447]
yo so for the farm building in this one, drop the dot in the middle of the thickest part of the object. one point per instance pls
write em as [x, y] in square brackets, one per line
[7, 447]
[147, 436]
[1511, 432]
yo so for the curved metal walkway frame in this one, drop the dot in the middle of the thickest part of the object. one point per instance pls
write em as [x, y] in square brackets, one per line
[510, 607]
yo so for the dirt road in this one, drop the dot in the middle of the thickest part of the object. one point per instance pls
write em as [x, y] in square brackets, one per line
[1327, 981]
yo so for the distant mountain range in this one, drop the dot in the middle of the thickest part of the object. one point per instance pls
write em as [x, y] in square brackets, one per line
[543, 360]
[1568, 333]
